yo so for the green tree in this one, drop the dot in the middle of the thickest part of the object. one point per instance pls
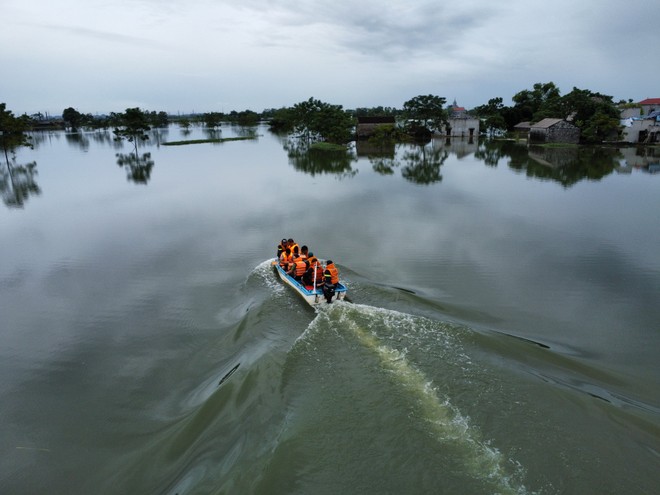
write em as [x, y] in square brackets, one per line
[73, 118]
[493, 115]
[538, 103]
[315, 120]
[185, 123]
[212, 119]
[425, 114]
[281, 120]
[595, 114]
[13, 131]
[159, 119]
[132, 126]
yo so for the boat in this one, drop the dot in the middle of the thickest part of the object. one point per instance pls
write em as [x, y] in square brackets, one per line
[313, 296]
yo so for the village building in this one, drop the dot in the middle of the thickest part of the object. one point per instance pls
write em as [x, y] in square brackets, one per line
[460, 123]
[643, 124]
[649, 105]
[554, 131]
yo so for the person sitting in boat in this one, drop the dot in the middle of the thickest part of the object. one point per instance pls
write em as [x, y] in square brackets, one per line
[315, 263]
[304, 252]
[281, 247]
[286, 258]
[310, 277]
[293, 245]
[298, 268]
[331, 279]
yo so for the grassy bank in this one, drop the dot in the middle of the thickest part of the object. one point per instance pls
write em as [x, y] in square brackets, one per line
[200, 141]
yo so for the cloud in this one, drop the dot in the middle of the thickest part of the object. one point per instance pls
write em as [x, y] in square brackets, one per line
[261, 53]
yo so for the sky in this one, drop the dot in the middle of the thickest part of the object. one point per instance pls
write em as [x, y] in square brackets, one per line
[181, 56]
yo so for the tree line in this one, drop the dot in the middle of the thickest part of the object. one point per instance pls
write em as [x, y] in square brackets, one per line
[313, 120]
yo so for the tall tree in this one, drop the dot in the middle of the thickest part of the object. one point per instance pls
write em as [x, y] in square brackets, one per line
[538, 103]
[73, 118]
[595, 114]
[315, 120]
[212, 119]
[426, 113]
[13, 131]
[132, 125]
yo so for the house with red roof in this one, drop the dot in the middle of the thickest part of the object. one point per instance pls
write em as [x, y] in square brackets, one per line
[460, 122]
[649, 105]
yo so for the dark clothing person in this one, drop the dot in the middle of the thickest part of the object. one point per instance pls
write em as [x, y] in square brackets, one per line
[331, 279]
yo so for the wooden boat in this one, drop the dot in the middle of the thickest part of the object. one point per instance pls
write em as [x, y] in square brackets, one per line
[310, 294]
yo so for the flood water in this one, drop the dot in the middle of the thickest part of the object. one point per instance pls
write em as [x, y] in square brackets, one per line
[502, 336]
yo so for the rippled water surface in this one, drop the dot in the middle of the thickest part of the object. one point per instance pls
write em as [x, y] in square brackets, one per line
[502, 335]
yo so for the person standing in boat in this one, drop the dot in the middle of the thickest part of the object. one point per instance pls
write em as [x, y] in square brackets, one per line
[331, 279]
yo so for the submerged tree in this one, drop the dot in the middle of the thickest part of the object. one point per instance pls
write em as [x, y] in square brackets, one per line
[425, 114]
[315, 120]
[13, 131]
[212, 119]
[132, 125]
[73, 118]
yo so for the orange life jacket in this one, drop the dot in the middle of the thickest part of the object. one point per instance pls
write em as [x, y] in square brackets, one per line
[300, 267]
[331, 273]
[285, 259]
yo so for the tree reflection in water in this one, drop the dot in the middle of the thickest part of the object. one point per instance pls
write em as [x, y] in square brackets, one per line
[423, 163]
[17, 184]
[318, 161]
[138, 168]
[566, 165]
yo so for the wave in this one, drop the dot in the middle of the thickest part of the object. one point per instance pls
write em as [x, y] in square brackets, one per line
[372, 328]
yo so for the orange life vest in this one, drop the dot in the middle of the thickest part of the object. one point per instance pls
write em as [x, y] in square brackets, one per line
[300, 267]
[285, 259]
[331, 273]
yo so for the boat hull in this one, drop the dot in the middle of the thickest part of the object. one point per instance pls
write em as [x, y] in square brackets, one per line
[313, 297]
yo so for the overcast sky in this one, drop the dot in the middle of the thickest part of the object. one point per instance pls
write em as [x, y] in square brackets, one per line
[100, 56]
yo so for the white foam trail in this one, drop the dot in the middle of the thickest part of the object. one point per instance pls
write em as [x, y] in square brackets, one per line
[264, 271]
[447, 424]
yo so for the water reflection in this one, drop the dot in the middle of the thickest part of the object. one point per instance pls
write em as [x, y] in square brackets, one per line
[423, 164]
[646, 159]
[315, 161]
[138, 167]
[565, 165]
[17, 184]
[78, 140]
[212, 133]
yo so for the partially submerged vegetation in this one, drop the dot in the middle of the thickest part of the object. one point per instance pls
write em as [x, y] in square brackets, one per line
[327, 127]
[211, 140]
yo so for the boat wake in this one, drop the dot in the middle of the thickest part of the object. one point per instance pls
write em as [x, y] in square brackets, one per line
[387, 337]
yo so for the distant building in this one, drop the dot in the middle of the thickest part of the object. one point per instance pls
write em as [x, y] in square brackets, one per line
[554, 131]
[366, 126]
[644, 126]
[649, 105]
[461, 124]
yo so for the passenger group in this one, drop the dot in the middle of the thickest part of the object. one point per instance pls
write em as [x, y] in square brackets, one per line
[306, 268]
